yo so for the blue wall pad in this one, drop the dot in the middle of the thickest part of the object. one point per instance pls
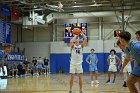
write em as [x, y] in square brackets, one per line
[61, 62]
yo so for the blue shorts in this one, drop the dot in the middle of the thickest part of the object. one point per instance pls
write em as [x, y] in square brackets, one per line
[93, 68]
[40, 66]
[136, 71]
[39, 69]
[45, 66]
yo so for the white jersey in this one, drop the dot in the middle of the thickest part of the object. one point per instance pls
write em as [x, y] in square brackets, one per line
[76, 54]
[112, 59]
[40, 61]
[123, 57]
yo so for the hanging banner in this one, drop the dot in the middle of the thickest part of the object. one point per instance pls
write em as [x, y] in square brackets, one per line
[15, 14]
[1, 54]
[8, 33]
[2, 31]
[5, 32]
[5, 10]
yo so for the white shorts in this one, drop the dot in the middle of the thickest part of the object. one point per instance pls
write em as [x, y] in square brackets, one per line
[76, 68]
[112, 68]
[5, 69]
[127, 69]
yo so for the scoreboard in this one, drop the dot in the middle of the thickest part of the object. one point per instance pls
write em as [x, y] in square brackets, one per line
[69, 28]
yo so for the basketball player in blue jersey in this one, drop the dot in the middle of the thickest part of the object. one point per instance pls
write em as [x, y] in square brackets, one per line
[128, 68]
[132, 49]
[138, 35]
[112, 65]
[138, 38]
[92, 60]
[7, 50]
[76, 60]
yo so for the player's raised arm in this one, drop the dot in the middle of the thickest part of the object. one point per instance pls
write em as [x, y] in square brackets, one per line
[84, 41]
[73, 40]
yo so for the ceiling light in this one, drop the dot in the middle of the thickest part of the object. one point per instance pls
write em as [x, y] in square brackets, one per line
[35, 6]
[77, 6]
[38, 9]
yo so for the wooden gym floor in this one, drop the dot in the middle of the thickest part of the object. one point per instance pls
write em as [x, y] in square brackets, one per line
[59, 83]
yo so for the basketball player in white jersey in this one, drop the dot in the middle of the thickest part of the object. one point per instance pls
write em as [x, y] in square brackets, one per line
[7, 49]
[76, 60]
[127, 69]
[112, 65]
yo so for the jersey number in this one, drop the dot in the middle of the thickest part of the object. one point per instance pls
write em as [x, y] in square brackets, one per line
[77, 51]
[112, 59]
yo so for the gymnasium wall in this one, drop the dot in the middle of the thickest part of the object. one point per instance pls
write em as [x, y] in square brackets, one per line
[35, 49]
[32, 34]
[45, 33]
[108, 25]
[38, 41]
[60, 55]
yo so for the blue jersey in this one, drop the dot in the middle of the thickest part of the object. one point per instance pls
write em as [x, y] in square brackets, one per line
[46, 61]
[3, 58]
[134, 51]
[92, 58]
[40, 61]
[34, 61]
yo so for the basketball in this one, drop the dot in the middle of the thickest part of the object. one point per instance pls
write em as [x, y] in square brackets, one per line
[76, 31]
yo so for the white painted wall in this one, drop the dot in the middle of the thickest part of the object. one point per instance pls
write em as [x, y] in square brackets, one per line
[42, 49]
[27, 35]
[35, 49]
[32, 34]
[14, 33]
[109, 44]
[100, 46]
[43, 34]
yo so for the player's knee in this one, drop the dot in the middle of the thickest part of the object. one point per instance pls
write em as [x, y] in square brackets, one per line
[80, 79]
[115, 73]
[80, 76]
[96, 71]
[129, 82]
[72, 76]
